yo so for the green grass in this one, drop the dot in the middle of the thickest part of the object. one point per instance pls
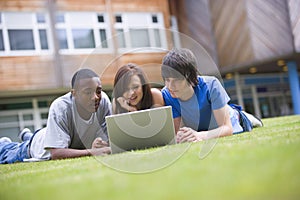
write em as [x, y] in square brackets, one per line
[262, 164]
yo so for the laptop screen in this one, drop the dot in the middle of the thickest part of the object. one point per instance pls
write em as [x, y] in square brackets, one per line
[141, 129]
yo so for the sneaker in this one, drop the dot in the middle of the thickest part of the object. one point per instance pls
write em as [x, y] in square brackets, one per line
[23, 132]
[5, 139]
[256, 122]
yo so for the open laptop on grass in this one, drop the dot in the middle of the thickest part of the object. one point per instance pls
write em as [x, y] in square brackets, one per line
[141, 129]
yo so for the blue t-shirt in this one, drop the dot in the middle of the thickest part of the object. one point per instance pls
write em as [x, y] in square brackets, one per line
[196, 112]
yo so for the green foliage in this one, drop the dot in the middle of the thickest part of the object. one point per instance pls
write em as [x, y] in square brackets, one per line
[262, 164]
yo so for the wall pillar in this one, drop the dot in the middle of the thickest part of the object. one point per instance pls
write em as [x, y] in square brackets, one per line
[257, 112]
[238, 89]
[294, 86]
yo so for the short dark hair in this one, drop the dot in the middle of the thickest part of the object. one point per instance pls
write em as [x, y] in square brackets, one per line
[82, 74]
[122, 80]
[180, 63]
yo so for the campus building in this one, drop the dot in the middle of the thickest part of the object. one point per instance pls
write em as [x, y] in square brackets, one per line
[254, 45]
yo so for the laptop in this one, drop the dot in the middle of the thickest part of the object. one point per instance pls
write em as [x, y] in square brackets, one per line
[141, 129]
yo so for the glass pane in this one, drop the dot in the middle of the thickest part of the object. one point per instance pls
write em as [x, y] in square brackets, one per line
[119, 19]
[83, 38]
[103, 38]
[100, 18]
[11, 118]
[27, 117]
[60, 18]
[1, 41]
[139, 38]
[43, 104]
[157, 38]
[11, 132]
[62, 38]
[40, 18]
[21, 39]
[43, 39]
[154, 19]
[44, 115]
[16, 106]
[121, 38]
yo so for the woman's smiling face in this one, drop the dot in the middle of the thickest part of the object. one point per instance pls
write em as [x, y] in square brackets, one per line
[134, 92]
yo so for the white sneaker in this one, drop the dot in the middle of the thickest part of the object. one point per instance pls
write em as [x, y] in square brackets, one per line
[254, 120]
[5, 139]
[22, 133]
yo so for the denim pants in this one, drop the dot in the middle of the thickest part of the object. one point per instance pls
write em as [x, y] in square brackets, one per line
[11, 152]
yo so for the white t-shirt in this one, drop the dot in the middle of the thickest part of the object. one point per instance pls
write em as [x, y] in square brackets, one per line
[37, 146]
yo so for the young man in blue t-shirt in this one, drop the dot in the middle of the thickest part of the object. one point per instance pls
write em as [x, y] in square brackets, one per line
[199, 103]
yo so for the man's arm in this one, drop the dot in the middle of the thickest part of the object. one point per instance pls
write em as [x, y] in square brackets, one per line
[61, 153]
[222, 117]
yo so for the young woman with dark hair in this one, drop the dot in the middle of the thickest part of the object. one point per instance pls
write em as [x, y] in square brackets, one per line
[133, 92]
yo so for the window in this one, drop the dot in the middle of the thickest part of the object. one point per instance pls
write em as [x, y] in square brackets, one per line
[137, 30]
[100, 18]
[118, 19]
[21, 39]
[20, 113]
[28, 33]
[154, 19]
[23, 33]
[139, 38]
[1, 41]
[43, 39]
[41, 18]
[82, 32]
[103, 38]
[62, 38]
[83, 38]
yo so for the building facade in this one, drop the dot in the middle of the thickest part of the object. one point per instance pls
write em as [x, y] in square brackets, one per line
[252, 45]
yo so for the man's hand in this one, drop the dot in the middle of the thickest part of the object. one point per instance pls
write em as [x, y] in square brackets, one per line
[100, 151]
[186, 134]
[99, 143]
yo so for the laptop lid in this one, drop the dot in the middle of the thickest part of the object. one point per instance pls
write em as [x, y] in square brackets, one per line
[141, 129]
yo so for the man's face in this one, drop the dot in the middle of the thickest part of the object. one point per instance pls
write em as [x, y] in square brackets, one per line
[87, 94]
[178, 87]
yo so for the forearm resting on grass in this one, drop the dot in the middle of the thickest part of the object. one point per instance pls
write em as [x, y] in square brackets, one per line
[61, 153]
[186, 134]
[222, 117]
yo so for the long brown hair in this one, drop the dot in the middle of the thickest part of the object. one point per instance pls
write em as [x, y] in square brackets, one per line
[121, 82]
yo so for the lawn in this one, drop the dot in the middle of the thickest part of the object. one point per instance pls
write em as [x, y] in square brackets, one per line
[262, 164]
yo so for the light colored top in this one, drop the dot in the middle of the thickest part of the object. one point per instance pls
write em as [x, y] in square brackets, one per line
[66, 129]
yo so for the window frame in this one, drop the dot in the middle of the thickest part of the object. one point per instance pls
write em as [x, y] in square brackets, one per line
[95, 26]
[67, 25]
[34, 26]
[125, 25]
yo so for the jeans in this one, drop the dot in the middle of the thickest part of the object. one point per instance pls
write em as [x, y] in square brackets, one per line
[11, 152]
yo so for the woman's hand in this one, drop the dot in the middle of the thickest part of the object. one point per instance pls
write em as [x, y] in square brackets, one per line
[186, 134]
[125, 104]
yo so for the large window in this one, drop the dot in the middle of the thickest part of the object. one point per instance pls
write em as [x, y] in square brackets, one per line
[27, 33]
[23, 33]
[82, 31]
[138, 30]
[18, 114]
